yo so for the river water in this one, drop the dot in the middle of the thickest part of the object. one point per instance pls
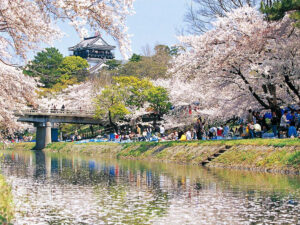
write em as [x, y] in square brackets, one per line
[78, 189]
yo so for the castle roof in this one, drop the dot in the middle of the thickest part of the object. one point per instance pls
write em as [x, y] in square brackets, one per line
[95, 42]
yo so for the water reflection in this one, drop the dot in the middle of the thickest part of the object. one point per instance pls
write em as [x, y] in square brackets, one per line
[77, 189]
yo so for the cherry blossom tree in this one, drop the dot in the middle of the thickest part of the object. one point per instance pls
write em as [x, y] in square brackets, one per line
[201, 13]
[26, 24]
[244, 62]
[75, 98]
[16, 90]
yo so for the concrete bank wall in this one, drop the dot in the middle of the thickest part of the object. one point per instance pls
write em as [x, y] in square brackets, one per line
[283, 159]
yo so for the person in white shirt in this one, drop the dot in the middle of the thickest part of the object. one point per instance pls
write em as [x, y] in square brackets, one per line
[284, 122]
[162, 130]
[188, 135]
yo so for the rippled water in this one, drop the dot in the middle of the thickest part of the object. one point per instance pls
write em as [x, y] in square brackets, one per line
[77, 189]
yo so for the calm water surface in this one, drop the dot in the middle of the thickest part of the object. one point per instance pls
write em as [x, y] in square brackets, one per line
[77, 189]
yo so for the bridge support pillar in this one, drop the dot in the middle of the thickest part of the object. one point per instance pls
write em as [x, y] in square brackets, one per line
[43, 135]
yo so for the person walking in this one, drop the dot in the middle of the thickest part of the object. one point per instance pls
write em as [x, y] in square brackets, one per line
[250, 116]
[226, 131]
[162, 130]
[148, 134]
[292, 117]
[199, 129]
[274, 123]
[251, 130]
[138, 131]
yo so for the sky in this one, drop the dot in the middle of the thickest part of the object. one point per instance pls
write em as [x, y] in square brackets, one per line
[155, 21]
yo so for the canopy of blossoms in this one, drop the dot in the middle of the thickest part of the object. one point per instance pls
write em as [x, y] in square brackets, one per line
[244, 62]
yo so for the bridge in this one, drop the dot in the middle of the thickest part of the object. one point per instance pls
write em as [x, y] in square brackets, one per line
[43, 120]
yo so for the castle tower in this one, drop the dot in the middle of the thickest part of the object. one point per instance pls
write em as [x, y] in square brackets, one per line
[95, 50]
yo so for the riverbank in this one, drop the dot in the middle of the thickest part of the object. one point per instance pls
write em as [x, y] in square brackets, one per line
[269, 155]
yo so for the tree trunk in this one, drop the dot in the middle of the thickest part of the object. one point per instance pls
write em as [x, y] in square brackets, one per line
[156, 118]
[250, 88]
[291, 86]
[112, 124]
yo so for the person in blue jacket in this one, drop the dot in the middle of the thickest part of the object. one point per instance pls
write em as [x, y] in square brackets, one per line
[292, 132]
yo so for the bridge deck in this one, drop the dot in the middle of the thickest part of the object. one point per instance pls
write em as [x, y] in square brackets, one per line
[56, 112]
[57, 116]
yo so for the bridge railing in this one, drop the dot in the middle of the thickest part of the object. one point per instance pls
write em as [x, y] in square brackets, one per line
[55, 111]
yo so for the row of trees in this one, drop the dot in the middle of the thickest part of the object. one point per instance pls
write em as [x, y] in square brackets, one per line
[236, 58]
[244, 61]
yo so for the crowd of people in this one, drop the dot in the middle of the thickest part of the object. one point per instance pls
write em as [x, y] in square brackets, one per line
[256, 125]
[286, 126]
[16, 139]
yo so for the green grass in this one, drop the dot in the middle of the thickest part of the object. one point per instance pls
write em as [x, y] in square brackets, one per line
[257, 142]
[271, 157]
[6, 202]
[18, 146]
[294, 158]
[59, 146]
[136, 150]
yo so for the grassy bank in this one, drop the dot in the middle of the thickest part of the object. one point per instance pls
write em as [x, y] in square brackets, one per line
[98, 149]
[6, 202]
[266, 158]
[17, 146]
[259, 154]
[276, 155]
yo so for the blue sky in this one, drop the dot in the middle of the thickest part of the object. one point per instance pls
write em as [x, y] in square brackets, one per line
[155, 21]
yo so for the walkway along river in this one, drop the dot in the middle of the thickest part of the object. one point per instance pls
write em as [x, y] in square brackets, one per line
[78, 189]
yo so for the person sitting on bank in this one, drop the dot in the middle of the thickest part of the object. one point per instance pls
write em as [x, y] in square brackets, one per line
[292, 132]
[180, 133]
[257, 130]
[189, 135]
[183, 137]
